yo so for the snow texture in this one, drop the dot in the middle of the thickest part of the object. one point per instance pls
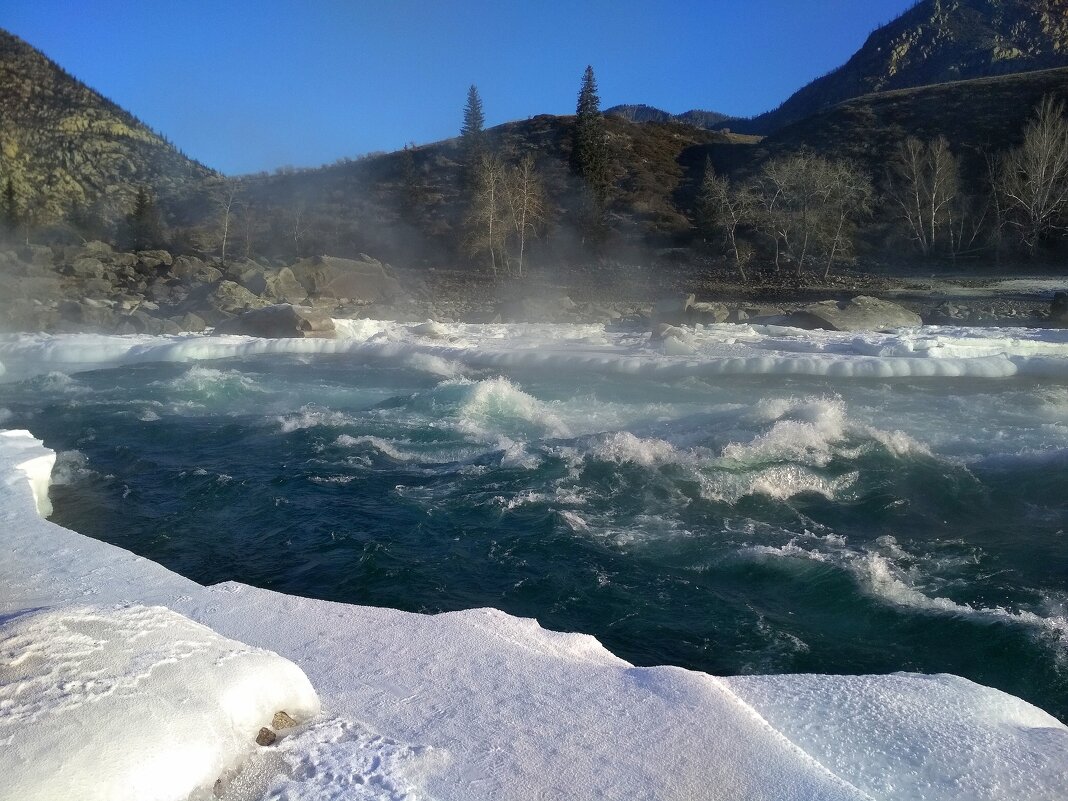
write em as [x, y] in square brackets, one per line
[132, 702]
[482, 705]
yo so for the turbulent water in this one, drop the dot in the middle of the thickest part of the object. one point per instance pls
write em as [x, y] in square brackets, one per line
[746, 523]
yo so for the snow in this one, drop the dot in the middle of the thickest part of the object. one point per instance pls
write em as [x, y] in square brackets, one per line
[133, 702]
[714, 350]
[474, 704]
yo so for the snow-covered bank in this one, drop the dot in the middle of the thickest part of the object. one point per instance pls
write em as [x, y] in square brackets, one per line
[481, 705]
[707, 351]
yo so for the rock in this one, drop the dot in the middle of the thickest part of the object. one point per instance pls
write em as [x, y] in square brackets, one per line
[738, 316]
[367, 281]
[282, 720]
[862, 313]
[97, 249]
[430, 330]
[283, 320]
[155, 258]
[229, 296]
[190, 322]
[278, 285]
[190, 269]
[265, 737]
[1058, 309]
[89, 313]
[672, 311]
[122, 260]
[87, 267]
[663, 331]
[707, 313]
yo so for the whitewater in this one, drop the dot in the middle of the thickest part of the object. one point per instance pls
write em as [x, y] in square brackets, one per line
[536, 561]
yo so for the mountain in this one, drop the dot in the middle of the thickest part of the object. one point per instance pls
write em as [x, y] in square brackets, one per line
[640, 112]
[64, 145]
[979, 117]
[933, 42]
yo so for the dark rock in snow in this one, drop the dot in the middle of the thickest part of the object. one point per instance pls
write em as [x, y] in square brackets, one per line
[283, 320]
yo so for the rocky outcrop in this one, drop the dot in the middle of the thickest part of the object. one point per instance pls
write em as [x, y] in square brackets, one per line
[862, 313]
[283, 320]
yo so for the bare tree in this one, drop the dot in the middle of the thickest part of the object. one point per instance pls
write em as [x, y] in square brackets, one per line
[848, 196]
[1033, 181]
[724, 208]
[924, 187]
[225, 204]
[525, 198]
[487, 214]
[794, 191]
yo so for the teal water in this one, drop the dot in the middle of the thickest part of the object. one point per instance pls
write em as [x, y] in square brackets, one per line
[737, 525]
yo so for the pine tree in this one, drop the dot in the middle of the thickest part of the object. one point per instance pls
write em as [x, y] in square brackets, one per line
[472, 136]
[143, 227]
[589, 149]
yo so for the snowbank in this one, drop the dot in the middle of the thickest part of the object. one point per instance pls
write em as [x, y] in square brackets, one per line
[133, 702]
[482, 705]
[715, 350]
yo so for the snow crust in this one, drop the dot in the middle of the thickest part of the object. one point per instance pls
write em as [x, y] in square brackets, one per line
[132, 702]
[482, 705]
[715, 350]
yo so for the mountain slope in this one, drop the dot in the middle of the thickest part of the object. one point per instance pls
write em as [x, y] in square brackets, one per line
[980, 116]
[63, 144]
[933, 42]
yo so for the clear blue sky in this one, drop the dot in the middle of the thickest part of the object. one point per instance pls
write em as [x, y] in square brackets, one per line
[246, 86]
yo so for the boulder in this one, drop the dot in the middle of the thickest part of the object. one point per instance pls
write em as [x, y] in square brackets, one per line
[155, 258]
[673, 310]
[862, 313]
[88, 313]
[190, 269]
[707, 313]
[121, 259]
[367, 281]
[87, 267]
[97, 249]
[190, 322]
[283, 320]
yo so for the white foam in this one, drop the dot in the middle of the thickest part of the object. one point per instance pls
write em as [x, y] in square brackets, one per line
[717, 350]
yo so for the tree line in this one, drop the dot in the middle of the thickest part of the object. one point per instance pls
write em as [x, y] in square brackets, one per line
[810, 211]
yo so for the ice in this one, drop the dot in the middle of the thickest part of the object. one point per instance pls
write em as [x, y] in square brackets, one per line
[132, 702]
[482, 705]
[930, 351]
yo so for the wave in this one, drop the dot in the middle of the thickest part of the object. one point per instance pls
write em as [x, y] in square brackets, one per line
[895, 577]
[711, 351]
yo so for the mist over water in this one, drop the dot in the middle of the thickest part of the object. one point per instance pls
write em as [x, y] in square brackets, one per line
[732, 524]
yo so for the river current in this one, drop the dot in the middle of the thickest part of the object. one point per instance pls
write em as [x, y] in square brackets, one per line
[745, 520]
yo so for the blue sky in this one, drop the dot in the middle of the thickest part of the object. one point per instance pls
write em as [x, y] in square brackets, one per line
[247, 86]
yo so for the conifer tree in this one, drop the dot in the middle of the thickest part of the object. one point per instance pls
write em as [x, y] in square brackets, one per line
[589, 149]
[143, 227]
[472, 136]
